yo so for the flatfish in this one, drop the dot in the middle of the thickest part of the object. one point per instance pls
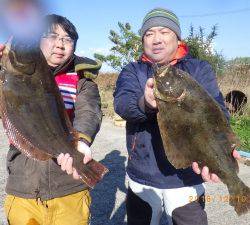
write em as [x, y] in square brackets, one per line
[194, 129]
[33, 112]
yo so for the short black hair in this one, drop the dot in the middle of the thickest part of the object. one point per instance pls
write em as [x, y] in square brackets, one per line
[53, 20]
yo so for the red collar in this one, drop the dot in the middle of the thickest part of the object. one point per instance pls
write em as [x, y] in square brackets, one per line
[182, 51]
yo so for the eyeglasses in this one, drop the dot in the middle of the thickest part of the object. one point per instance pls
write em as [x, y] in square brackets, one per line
[55, 37]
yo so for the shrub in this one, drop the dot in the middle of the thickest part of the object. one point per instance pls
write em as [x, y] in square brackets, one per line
[241, 126]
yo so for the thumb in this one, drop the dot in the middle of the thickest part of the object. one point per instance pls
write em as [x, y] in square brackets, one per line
[236, 154]
[150, 83]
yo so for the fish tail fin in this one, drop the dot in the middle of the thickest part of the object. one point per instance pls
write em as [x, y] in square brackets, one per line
[94, 172]
[239, 197]
[90, 173]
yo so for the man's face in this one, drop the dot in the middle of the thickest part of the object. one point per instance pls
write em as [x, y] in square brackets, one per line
[160, 44]
[57, 46]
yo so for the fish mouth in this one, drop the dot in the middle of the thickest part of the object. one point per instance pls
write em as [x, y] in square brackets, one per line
[161, 70]
[158, 84]
[158, 95]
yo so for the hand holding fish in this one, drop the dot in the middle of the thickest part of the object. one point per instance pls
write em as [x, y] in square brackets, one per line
[195, 131]
[65, 161]
[210, 177]
[149, 94]
[151, 102]
[38, 125]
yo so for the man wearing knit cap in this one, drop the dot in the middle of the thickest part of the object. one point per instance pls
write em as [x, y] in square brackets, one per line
[154, 184]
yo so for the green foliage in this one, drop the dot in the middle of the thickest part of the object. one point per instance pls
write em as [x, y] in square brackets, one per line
[241, 126]
[127, 47]
[201, 47]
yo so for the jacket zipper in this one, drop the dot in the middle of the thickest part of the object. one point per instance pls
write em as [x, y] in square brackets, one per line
[134, 142]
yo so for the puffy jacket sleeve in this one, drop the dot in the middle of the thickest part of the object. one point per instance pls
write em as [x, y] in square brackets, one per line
[88, 113]
[128, 95]
[209, 82]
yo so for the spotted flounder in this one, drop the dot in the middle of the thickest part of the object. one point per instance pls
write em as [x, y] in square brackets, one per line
[194, 129]
[33, 112]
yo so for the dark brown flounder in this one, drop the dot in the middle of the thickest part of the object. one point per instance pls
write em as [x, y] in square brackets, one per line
[33, 112]
[194, 129]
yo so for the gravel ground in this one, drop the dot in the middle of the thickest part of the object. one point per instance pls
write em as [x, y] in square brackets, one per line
[108, 206]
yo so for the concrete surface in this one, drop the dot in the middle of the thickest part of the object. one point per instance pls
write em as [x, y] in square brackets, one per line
[108, 206]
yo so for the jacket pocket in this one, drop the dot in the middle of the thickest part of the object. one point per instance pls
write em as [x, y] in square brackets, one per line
[11, 156]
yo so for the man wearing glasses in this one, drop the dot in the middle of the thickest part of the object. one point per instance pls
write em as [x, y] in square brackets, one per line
[42, 192]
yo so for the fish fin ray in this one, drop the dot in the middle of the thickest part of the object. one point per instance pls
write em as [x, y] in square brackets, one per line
[90, 173]
[22, 143]
[97, 172]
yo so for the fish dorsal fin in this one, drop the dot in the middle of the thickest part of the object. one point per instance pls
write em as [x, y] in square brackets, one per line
[21, 142]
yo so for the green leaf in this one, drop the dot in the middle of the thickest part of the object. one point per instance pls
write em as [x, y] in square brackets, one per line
[126, 47]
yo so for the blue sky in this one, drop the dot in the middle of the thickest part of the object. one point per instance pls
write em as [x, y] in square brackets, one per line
[94, 19]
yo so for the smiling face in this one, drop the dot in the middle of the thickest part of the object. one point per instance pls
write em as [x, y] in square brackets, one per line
[160, 44]
[57, 47]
